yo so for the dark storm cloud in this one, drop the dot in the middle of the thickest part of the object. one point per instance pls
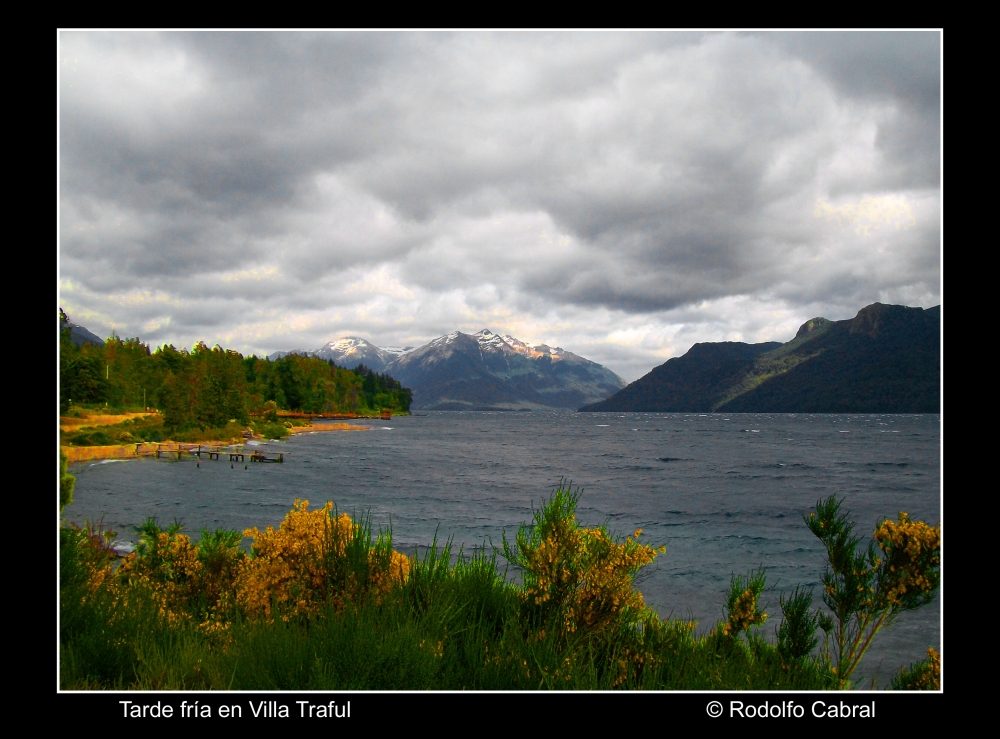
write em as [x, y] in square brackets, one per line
[227, 153]
[401, 183]
[903, 69]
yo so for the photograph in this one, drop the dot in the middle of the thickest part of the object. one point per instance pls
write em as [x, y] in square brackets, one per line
[601, 361]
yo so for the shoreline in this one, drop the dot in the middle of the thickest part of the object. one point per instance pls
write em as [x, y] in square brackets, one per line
[320, 427]
[73, 423]
[138, 450]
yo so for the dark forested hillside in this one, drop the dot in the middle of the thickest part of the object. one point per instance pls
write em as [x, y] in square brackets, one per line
[693, 382]
[884, 360]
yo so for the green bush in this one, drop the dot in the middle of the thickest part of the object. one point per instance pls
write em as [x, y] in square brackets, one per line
[924, 675]
[66, 483]
[866, 589]
[270, 430]
[175, 615]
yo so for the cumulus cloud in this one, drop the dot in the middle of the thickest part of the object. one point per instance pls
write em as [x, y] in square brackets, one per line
[622, 195]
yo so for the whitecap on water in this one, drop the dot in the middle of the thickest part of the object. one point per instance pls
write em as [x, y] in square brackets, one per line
[122, 547]
[602, 424]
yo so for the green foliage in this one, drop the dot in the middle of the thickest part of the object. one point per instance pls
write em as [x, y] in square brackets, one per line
[270, 430]
[168, 619]
[797, 631]
[205, 388]
[66, 483]
[381, 391]
[151, 546]
[353, 556]
[576, 581]
[81, 376]
[924, 675]
[865, 589]
[91, 438]
[130, 431]
[743, 604]
[219, 550]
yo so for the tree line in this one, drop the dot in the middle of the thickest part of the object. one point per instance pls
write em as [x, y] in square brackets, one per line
[209, 387]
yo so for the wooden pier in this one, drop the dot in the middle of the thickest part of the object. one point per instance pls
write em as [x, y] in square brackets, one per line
[200, 451]
[265, 457]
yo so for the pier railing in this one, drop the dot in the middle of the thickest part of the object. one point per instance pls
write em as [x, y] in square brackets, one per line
[235, 453]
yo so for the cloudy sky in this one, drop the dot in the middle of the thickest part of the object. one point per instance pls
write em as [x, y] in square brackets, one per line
[621, 195]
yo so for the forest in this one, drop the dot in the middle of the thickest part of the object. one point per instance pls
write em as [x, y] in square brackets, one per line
[208, 388]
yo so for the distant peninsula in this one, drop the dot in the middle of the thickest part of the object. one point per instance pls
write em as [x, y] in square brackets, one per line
[887, 359]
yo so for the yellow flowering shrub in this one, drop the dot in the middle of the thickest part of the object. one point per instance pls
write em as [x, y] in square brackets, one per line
[743, 615]
[311, 558]
[865, 591]
[93, 544]
[169, 568]
[912, 554]
[925, 675]
[578, 579]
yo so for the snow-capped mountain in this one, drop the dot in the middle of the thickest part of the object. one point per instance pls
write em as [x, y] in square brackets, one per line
[349, 352]
[488, 371]
[479, 371]
[397, 351]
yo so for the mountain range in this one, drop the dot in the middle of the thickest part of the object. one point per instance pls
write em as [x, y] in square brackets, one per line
[887, 359]
[481, 371]
[351, 351]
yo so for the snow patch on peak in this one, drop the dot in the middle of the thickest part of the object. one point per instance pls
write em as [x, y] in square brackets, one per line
[397, 351]
[347, 345]
[446, 339]
[493, 342]
[532, 352]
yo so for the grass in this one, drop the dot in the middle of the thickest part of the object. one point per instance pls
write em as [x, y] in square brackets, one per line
[324, 603]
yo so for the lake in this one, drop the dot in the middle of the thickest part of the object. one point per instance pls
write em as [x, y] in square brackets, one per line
[724, 493]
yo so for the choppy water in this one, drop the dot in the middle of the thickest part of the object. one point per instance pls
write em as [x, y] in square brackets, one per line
[725, 493]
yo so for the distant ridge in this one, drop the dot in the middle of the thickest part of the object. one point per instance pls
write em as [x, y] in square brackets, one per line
[78, 334]
[884, 360]
[350, 352]
[694, 382]
[481, 371]
[486, 371]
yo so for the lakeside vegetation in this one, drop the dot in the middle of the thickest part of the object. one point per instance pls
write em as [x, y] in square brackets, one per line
[324, 602]
[207, 394]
